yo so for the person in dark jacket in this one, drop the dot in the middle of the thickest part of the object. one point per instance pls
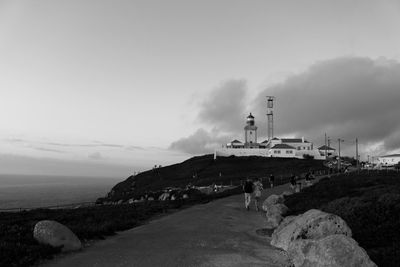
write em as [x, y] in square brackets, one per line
[248, 190]
[272, 180]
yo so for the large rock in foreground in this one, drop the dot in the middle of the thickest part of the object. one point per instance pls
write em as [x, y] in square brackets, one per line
[330, 251]
[55, 234]
[313, 224]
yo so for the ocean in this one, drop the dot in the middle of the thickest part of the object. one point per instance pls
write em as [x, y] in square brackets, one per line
[33, 191]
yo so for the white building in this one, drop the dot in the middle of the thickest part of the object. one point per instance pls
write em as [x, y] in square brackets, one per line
[388, 160]
[330, 152]
[276, 147]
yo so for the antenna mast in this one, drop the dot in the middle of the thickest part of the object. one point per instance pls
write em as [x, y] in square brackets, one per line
[270, 116]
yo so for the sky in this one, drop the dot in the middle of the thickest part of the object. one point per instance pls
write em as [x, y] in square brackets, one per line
[109, 88]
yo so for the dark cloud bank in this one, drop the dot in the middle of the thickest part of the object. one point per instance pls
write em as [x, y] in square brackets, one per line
[345, 98]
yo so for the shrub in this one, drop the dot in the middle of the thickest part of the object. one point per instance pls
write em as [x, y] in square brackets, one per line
[369, 204]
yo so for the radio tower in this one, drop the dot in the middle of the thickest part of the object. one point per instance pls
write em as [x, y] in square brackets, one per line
[270, 116]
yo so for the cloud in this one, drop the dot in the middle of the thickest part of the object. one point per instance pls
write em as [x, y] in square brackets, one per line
[225, 106]
[200, 142]
[48, 149]
[95, 156]
[223, 111]
[16, 164]
[347, 98]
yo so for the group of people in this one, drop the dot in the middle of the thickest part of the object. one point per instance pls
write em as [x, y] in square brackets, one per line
[254, 188]
[250, 188]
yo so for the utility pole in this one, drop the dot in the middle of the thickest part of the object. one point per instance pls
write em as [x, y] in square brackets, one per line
[326, 156]
[358, 167]
[270, 117]
[338, 164]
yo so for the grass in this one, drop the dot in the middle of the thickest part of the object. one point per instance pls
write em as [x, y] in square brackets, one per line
[224, 170]
[19, 248]
[369, 203]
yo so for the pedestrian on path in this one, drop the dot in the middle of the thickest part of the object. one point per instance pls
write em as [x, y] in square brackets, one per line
[272, 180]
[258, 187]
[293, 182]
[248, 189]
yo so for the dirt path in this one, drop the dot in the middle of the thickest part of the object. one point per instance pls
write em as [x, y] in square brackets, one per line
[219, 233]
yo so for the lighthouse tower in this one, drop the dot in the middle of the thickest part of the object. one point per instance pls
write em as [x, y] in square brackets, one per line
[250, 132]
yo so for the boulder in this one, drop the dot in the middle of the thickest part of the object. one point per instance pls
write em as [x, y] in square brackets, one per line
[55, 234]
[274, 214]
[278, 208]
[273, 219]
[313, 224]
[272, 200]
[330, 251]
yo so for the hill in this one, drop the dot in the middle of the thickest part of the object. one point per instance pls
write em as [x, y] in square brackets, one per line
[204, 170]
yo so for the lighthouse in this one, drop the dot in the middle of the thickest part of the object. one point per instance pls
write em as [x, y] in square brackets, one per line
[250, 132]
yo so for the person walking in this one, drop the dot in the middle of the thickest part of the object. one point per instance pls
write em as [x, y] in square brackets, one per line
[293, 182]
[258, 187]
[272, 180]
[248, 189]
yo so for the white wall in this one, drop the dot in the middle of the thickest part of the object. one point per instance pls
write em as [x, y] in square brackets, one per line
[242, 152]
[388, 161]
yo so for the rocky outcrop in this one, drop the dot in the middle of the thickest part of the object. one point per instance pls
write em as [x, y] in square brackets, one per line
[56, 235]
[330, 251]
[313, 224]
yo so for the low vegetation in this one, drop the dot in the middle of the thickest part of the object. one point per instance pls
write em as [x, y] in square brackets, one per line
[19, 248]
[368, 202]
[204, 170]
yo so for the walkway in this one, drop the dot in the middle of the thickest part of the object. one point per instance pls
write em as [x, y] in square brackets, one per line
[219, 233]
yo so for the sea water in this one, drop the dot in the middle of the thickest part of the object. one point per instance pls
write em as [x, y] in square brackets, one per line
[32, 191]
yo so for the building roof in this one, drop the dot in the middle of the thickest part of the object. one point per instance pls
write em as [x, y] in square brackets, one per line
[236, 141]
[325, 147]
[275, 138]
[293, 140]
[265, 142]
[391, 156]
[282, 146]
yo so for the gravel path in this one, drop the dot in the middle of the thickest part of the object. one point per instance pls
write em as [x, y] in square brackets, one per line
[219, 233]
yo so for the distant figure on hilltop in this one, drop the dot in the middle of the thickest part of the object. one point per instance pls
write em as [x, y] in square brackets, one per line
[293, 181]
[248, 189]
[272, 180]
[258, 187]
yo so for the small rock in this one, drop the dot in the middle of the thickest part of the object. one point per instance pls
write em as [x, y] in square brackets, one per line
[286, 193]
[278, 208]
[55, 234]
[272, 200]
[273, 219]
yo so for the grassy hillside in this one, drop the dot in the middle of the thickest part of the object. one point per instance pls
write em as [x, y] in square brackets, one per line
[204, 170]
[19, 248]
[369, 203]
